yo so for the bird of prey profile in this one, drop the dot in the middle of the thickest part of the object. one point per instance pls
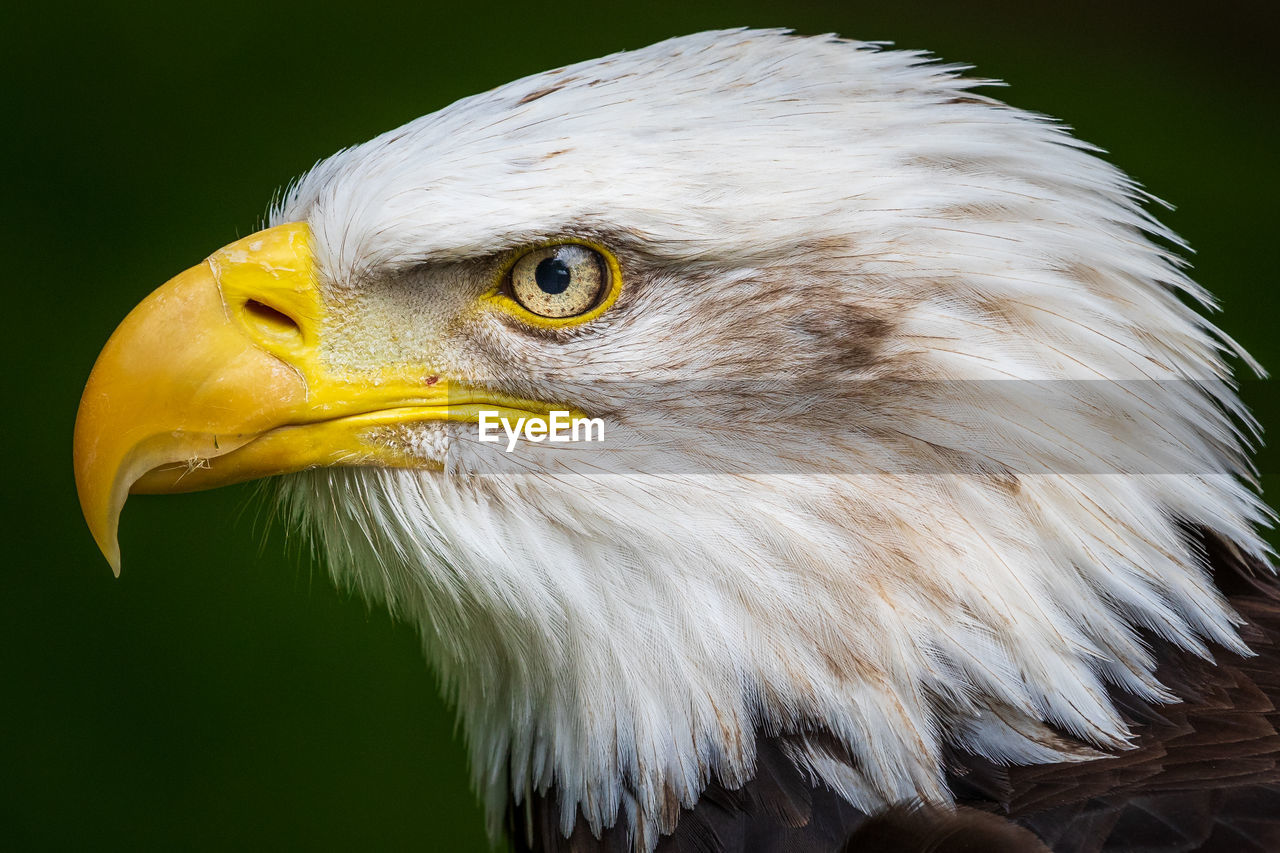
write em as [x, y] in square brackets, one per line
[921, 513]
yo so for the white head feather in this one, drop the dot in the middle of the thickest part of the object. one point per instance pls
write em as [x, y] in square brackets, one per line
[803, 210]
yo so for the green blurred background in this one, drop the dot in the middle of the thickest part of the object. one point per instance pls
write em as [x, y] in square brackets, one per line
[221, 693]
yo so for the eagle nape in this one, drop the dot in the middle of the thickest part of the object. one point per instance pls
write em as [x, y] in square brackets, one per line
[920, 514]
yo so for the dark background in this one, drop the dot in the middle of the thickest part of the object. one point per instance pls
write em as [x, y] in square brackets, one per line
[221, 693]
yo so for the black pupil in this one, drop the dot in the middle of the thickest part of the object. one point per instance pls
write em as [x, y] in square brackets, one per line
[552, 275]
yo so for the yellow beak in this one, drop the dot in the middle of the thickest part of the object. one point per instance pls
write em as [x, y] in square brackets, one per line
[218, 377]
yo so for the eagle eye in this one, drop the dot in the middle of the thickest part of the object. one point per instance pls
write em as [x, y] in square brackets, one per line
[560, 281]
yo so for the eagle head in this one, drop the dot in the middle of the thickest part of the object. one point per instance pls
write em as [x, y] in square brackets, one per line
[902, 409]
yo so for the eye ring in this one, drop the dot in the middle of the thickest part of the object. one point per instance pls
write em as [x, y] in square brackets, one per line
[559, 284]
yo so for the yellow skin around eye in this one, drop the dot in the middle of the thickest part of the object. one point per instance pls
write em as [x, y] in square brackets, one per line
[601, 298]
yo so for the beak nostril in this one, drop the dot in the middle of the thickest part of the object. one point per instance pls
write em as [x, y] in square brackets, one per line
[276, 323]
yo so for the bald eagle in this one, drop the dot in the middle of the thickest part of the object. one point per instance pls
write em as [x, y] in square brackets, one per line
[917, 509]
